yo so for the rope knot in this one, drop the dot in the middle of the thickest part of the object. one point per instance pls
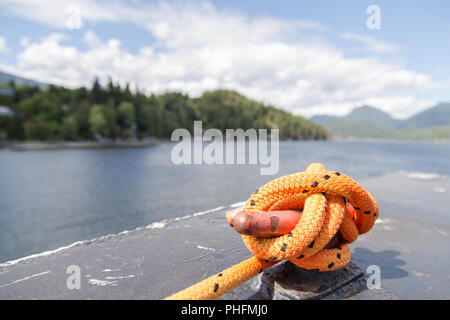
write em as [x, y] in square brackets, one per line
[322, 195]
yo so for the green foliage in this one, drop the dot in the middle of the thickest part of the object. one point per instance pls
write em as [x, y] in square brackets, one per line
[40, 128]
[69, 128]
[112, 112]
[97, 121]
[125, 115]
[224, 109]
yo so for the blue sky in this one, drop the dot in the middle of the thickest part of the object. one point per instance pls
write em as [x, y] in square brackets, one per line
[304, 56]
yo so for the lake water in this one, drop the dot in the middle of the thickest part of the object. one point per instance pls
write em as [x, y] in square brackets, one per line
[53, 198]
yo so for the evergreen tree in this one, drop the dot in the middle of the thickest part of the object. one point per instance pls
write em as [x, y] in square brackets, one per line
[72, 114]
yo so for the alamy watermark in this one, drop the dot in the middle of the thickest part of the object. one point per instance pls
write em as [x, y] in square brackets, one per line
[374, 280]
[73, 20]
[74, 280]
[374, 20]
[210, 147]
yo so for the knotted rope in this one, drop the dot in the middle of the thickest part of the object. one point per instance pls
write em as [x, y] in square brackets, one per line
[322, 195]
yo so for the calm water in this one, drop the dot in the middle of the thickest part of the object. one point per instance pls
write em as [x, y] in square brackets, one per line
[49, 199]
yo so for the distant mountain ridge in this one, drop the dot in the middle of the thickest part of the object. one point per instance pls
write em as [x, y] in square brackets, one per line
[372, 115]
[435, 116]
[370, 122]
[6, 77]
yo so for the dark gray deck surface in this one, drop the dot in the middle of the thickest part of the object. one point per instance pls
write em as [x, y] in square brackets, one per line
[410, 244]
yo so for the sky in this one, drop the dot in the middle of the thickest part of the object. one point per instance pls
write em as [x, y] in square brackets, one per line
[307, 57]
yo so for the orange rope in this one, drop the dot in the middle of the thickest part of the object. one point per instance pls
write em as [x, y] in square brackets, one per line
[322, 195]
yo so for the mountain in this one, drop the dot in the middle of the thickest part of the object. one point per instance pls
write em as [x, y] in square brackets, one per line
[362, 122]
[367, 114]
[435, 116]
[323, 119]
[364, 114]
[370, 122]
[6, 77]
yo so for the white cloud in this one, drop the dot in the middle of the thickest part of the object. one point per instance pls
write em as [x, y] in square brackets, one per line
[399, 106]
[91, 39]
[24, 41]
[56, 13]
[3, 46]
[370, 43]
[199, 47]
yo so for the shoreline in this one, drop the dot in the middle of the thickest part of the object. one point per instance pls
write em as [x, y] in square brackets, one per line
[56, 145]
[86, 144]
[437, 141]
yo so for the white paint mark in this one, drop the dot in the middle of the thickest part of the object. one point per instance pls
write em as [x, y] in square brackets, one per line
[110, 270]
[102, 283]
[26, 278]
[419, 273]
[441, 232]
[207, 211]
[121, 277]
[157, 225]
[206, 248]
[199, 213]
[439, 189]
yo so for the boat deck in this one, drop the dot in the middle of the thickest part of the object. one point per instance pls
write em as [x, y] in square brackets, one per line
[409, 243]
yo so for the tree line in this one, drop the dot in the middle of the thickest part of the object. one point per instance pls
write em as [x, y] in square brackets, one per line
[115, 112]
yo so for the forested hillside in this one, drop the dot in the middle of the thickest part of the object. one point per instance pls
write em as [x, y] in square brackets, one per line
[112, 112]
